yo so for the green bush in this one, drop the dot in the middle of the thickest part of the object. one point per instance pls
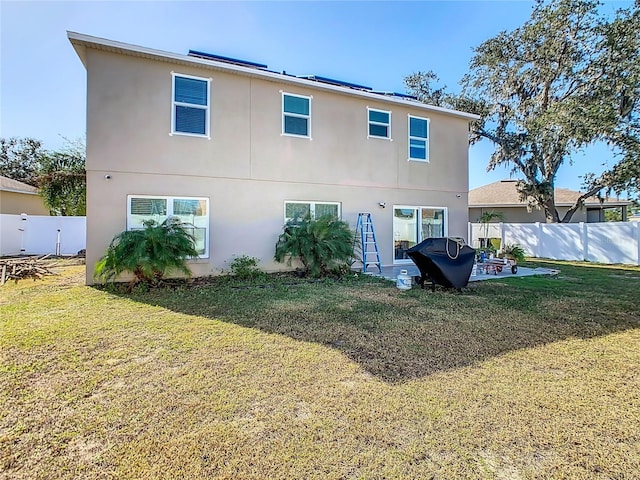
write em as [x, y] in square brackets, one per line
[245, 267]
[514, 251]
[323, 246]
[149, 253]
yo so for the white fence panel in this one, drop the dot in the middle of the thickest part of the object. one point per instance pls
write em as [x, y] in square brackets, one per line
[524, 234]
[561, 241]
[610, 242]
[41, 235]
[483, 230]
[613, 242]
[10, 234]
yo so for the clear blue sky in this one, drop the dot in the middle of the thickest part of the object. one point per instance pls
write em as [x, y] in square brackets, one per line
[43, 82]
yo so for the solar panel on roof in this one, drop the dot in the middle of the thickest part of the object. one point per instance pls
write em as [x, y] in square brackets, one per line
[396, 94]
[331, 81]
[316, 78]
[220, 58]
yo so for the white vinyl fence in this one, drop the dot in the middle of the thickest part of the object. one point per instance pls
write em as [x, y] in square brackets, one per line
[609, 242]
[40, 235]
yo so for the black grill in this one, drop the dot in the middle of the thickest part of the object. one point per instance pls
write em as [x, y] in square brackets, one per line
[445, 261]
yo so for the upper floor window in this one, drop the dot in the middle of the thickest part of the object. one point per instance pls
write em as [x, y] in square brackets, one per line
[418, 139]
[190, 105]
[379, 123]
[296, 115]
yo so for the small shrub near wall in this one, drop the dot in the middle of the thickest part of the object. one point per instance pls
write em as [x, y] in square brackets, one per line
[245, 267]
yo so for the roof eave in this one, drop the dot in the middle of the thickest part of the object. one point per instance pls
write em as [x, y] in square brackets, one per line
[81, 41]
[14, 190]
[621, 203]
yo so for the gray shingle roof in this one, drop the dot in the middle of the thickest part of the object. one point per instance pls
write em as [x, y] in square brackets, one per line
[503, 193]
[11, 185]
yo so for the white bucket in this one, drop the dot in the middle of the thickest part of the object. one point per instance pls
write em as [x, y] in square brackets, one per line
[403, 281]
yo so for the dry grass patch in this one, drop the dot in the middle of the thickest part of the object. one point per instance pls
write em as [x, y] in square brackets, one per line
[525, 378]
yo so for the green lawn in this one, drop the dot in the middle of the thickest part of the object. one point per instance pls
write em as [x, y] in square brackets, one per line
[535, 377]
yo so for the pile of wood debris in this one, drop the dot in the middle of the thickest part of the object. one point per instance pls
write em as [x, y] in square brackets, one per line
[24, 267]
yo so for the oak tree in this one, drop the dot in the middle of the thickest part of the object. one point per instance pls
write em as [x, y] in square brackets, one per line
[566, 79]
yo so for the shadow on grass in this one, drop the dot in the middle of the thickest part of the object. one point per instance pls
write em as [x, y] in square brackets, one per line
[398, 336]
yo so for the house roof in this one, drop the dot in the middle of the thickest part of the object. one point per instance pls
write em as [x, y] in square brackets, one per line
[504, 194]
[81, 42]
[10, 185]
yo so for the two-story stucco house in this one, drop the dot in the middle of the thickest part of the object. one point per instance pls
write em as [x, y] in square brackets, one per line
[236, 149]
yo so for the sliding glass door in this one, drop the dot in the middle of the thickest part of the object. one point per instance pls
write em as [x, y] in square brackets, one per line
[412, 224]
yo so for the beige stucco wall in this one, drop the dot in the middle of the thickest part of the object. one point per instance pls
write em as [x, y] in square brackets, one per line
[16, 203]
[248, 169]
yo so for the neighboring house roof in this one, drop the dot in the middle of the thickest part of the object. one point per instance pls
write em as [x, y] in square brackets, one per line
[504, 194]
[11, 185]
[80, 42]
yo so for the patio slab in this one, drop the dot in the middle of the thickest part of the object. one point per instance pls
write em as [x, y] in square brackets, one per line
[391, 272]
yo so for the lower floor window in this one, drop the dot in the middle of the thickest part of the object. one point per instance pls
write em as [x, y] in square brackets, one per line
[295, 211]
[192, 211]
[411, 225]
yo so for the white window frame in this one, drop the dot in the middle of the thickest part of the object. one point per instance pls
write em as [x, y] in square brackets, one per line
[424, 139]
[206, 108]
[297, 115]
[419, 208]
[369, 123]
[312, 207]
[170, 199]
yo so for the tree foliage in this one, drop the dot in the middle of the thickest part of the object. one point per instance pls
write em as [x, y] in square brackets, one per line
[489, 216]
[20, 159]
[60, 176]
[62, 180]
[566, 79]
[149, 254]
[322, 246]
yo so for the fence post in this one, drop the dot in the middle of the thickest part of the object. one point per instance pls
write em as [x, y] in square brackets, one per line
[638, 241]
[23, 229]
[469, 234]
[58, 244]
[538, 253]
[503, 237]
[585, 240]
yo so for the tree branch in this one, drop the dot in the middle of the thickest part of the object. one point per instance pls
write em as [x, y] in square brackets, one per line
[495, 139]
[580, 202]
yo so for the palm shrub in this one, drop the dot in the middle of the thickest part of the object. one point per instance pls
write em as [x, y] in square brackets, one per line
[514, 251]
[323, 245]
[488, 217]
[149, 253]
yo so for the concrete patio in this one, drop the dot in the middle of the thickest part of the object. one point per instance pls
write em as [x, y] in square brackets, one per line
[391, 272]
